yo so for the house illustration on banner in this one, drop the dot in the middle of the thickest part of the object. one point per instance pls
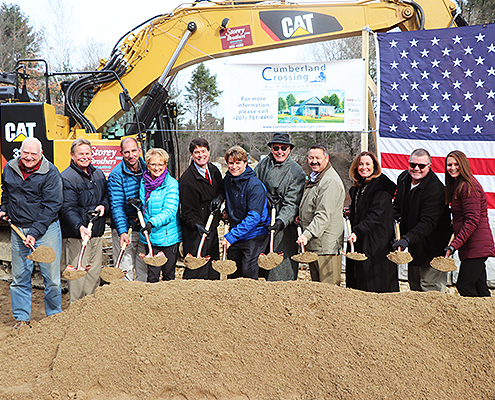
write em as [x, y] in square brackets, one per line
[313, 107]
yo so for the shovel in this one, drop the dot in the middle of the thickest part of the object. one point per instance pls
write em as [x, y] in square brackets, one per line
[110, 274]
[397, 256]
[150, 259]
[224, 267]
[40, 254]
[304, 256]
[352, 254]
[444, 264]
[198, 261]
[272, 259]
[72, 273]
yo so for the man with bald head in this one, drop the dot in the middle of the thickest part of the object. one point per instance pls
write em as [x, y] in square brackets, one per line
[31, 199]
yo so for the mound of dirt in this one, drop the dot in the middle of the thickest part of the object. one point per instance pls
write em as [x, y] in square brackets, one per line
[245, 339]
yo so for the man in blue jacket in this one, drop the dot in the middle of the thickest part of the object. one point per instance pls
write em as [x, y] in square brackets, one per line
[85, 189]
[31, 198]
[247, 213]
[123, 184]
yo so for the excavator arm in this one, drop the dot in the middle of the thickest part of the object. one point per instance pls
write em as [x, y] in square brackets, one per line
[164, 45]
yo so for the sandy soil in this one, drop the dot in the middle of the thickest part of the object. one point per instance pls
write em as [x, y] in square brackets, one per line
[241, 339]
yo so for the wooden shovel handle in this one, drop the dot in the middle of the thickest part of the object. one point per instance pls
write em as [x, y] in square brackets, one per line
[397, 230]
[129, 233]
[299, 233]
[448, 253]
[209, 222]
[273, 215]
[349, 228]
[18, 231]
[21, 235]
[141, 219]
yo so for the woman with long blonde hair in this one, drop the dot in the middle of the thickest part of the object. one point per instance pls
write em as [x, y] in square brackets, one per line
[473, 236]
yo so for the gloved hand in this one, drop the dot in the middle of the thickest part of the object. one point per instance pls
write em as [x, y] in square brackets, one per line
[402, 243]
[216, 202]
[147, 227]
[449, 248]
[201, 229]
[277, 226]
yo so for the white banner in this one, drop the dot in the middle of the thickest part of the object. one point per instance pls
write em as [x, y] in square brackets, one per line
[295, 97]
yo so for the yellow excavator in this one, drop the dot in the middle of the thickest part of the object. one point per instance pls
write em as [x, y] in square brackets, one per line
[146, 59]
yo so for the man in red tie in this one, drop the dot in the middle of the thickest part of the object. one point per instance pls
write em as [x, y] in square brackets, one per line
[201, 193]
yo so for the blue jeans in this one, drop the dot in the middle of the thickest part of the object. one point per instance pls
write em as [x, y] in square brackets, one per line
[21, 289]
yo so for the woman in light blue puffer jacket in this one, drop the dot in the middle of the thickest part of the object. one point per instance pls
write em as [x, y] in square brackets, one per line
[159, 194]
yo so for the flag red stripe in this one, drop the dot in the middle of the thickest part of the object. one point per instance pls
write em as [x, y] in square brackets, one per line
[490, 197]
[479, 166]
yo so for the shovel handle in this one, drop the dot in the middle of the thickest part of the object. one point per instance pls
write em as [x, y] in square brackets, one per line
[129, 233]
[299, 233]
[273, 215]
[203, 236]
[224, 256]
[201, 243]
[397, 230]
[122, 249]
[86, 237]
[21, 235]
[141, 219]
[18, 231]
[209, 222]
[447, 253]
[348, 225]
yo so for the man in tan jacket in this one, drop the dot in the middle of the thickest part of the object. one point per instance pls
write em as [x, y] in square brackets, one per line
[320, 213]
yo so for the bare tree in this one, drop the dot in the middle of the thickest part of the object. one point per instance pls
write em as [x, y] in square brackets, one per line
[58, 36]
[478, 11]
[92, 54]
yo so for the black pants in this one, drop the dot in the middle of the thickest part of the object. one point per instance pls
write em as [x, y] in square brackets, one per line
[471, 281]
[204, 272]
[167, 269]
[245, 254]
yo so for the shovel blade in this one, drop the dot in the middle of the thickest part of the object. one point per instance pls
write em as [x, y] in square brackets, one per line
[71, 274]
[42, 254]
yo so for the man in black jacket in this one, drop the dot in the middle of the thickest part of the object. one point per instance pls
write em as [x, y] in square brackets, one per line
[424, 221]
[85, 189]
[31, 198]
[201, 192]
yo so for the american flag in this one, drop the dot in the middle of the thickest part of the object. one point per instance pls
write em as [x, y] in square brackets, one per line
[437, 91]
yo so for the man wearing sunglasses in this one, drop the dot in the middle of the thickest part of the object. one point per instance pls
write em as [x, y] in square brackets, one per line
[284, 181]
[424, 218]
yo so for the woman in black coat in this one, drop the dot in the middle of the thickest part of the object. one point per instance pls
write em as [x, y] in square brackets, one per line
[372, 223]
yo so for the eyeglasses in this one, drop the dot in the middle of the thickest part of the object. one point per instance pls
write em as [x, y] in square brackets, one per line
[156, 165]
[284, 147]
[420, 166]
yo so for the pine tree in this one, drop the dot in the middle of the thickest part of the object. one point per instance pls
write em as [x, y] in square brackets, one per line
[202, 95]
[17, 38]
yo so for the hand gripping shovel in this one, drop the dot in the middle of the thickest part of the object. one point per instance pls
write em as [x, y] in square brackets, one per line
[398, 256]
[155, 260]
[444, 264]
[198, 261]
[40, 254]
[304, 256]
[352, 254]
[224, 267]
[272, 259]
[111, 274]
[72, 273]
